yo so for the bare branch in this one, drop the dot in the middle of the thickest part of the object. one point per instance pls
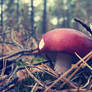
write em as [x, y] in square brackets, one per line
[84, 25]
[23, 52]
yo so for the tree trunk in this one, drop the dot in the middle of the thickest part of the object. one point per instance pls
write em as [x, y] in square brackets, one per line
[44, 19]
[32, 17]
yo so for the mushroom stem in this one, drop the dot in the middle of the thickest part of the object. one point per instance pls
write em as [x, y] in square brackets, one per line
[63, 62]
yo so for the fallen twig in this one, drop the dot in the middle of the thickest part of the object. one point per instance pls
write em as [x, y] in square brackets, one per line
[23, 52]
[34, 88]
[84, 25]
[83, 61]
[7, 84]
[88, 83]
[34, 77]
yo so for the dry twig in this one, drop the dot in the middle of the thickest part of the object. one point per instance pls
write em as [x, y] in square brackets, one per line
[34, 88]
[83, 61]
[34, 77]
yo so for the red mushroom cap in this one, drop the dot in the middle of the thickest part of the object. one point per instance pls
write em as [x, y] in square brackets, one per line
[65, 40]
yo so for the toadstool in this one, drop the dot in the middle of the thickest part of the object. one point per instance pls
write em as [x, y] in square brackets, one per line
[65, 42]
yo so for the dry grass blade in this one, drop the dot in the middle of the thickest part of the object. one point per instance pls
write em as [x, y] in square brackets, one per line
[9, 88]
[31, 86]
[70, 83]
[83, 61]
[12, 74]
[71, 90]
[44, 68]
[34, 88]
[90, 86]
[68, 71]
[13, 37]
[89, 82]
[34, 77]
[50, 71]
[3, 82]
[4, 66]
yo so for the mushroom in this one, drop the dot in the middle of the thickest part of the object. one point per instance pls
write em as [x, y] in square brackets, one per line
[65, 42]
